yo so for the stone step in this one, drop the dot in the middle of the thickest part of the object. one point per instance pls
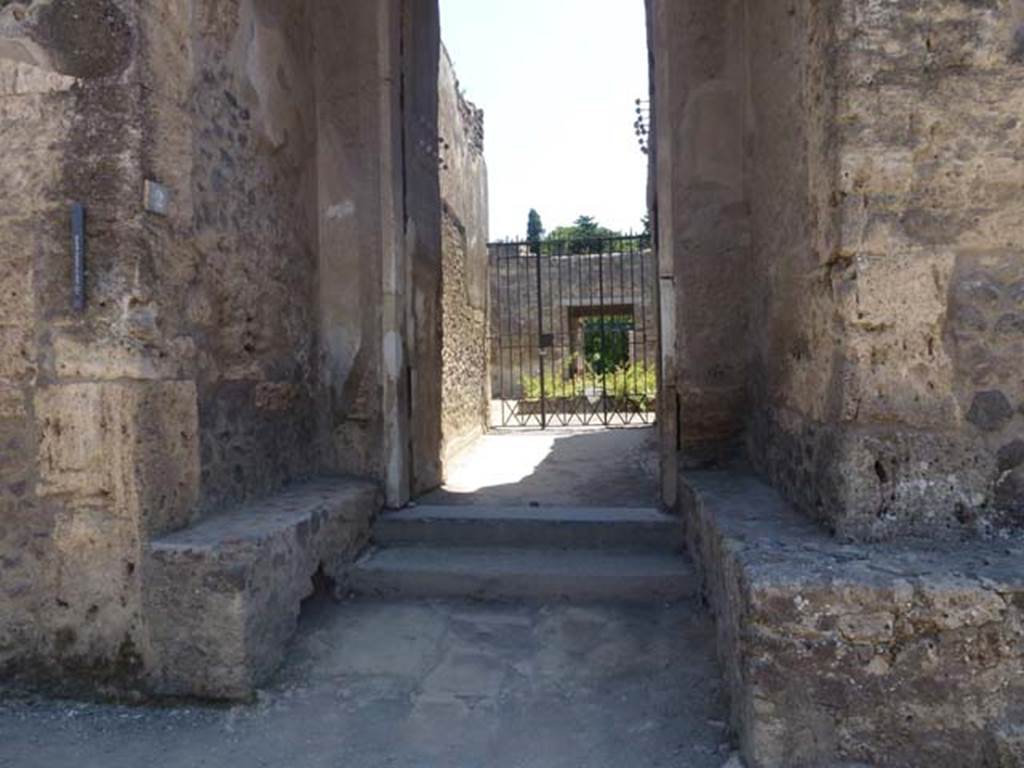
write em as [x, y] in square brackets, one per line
[222, 598]
[506, 574]
[625, 529]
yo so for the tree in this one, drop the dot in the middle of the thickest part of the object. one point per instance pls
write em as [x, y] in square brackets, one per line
[646, 234]
[534, 230]
[584, 236]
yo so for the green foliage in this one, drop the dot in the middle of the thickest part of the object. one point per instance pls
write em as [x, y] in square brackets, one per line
[646, 233]
[636, 383]
[584, 236]
[606, 342]
[534, 230]
[556, 384]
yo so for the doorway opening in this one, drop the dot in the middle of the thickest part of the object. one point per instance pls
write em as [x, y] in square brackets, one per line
[574, 336]
[565, 317]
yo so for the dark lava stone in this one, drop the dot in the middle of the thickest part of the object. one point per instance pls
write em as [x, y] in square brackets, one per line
[990, 411]
[1011, 455]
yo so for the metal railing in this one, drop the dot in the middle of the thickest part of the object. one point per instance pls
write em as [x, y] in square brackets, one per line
[574, 331]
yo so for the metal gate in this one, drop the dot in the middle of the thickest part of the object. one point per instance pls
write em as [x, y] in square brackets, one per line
[574, 332]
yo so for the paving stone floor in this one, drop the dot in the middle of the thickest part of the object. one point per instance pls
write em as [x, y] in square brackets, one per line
[427, 685]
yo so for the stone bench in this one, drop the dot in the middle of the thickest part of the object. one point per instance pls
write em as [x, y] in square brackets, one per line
[222, 598]
[887, 654]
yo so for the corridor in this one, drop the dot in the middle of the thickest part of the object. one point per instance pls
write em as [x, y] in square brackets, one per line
[552, 674]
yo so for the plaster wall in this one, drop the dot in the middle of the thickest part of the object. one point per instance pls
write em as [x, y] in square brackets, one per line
[421, 56]
[703, 219]
[360, 232]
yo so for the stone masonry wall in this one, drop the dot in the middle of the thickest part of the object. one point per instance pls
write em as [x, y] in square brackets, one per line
[464, 357]
[791, 157]
[889, 654]
[838, 201]
[246, 243]
[932, 197]
[229, 345]
[99, 422]
[270, 140]
[895, 404]
[881, 190]
[465, 384]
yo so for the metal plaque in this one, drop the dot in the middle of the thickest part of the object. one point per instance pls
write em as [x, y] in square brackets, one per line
[78, 256]
[156, 197]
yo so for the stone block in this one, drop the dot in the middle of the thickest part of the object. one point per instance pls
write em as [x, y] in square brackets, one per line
[17, 246]
[17, 353]
[12, 403]
[874, 483]
[117, 462]
[35, 131]
[907, 655]
[906, 482]
[96, 600]
[222, 598]
[129, 448]
[897, 365]
[990, 411]
[121, 358]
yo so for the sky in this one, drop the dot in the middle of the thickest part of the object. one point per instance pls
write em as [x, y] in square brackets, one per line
[558, 82]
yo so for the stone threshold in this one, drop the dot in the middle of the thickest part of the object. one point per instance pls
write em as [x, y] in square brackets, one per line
[899, 654]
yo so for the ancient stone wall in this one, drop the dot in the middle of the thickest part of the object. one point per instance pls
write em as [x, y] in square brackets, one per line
[465, 385]
[230, 343]
[881, 178]
[358, 198]
[464, 344]
[931, 202]
[100, 417]
[248, 237]
[882, 654]
[894, 403]
[292, 200]
[837, 190]
[791, 161]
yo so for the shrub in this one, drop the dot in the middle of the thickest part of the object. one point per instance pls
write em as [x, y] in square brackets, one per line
[636, 382]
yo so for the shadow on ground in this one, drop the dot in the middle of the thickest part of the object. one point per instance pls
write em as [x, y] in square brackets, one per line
[582, 467]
